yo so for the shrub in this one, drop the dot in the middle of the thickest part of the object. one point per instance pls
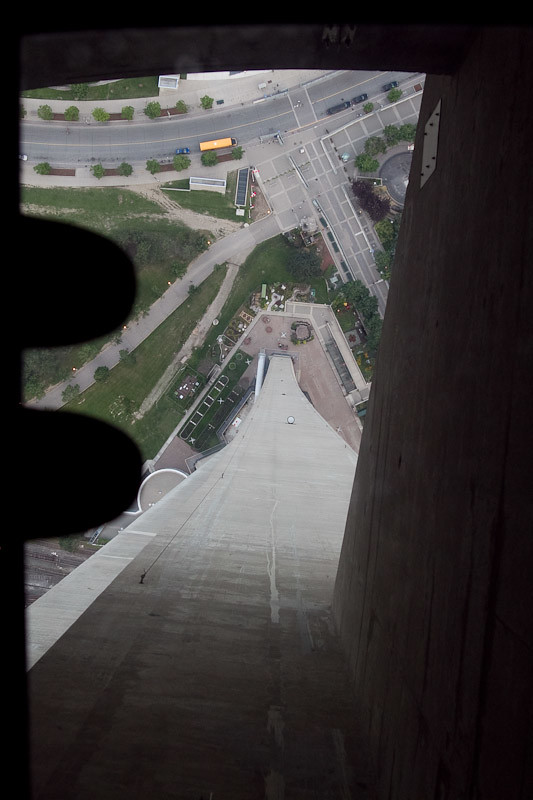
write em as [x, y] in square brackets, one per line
[43, 168]
[72, 114]
[153, 109]
[125, 169]
[209, 159]
[45, 112]
[101, 374]
[98, 171]
[100, 115]
[366, 163]
[181, 162]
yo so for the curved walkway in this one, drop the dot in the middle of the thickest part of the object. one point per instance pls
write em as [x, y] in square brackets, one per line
[235, 248]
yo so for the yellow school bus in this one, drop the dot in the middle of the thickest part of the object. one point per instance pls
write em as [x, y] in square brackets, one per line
[215, 144]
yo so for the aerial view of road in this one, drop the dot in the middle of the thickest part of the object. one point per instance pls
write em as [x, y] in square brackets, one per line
[301, 155]
[285, 130]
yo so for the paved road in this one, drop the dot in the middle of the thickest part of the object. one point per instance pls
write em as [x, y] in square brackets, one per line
[301, 175]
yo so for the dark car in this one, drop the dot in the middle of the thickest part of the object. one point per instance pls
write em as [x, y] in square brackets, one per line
[391, 85]
[340, 107]
[182, 151]
[359, 99]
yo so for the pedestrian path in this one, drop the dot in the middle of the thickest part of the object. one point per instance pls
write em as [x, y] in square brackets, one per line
[231, 91]
[226, 93]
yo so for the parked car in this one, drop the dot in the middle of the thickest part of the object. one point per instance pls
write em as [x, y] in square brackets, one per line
[391, 85]
[359, 99]
[339, 107]
[23, 157]
[182, 151]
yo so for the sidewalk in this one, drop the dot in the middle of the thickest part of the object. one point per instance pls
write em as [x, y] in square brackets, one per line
[232, 91]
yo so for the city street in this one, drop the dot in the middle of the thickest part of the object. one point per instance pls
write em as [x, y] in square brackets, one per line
[300, 171]
[302, 165]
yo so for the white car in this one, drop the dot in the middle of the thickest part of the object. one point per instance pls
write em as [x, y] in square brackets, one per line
[23, 157]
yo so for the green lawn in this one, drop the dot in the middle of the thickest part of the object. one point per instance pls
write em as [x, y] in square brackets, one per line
[127, 386]
[127, 88]
[160, 251]
[221, 206]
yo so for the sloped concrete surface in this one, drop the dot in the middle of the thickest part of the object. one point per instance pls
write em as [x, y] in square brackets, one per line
[210, 664]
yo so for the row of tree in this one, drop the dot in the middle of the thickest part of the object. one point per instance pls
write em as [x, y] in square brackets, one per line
[179, 163]
[378, 145]
[152, 110]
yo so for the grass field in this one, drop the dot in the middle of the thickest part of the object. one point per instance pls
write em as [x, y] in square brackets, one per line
[127, 88]
[217, 205]
[160, 251]
[128, 384]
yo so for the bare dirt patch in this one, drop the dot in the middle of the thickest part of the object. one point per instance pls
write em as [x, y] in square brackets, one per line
[260, 206]
[219, 227]
[323, 251]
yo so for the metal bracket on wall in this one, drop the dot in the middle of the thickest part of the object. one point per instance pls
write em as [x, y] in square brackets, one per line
[431, 141]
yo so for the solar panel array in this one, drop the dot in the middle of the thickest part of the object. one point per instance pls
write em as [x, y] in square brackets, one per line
[242, 187]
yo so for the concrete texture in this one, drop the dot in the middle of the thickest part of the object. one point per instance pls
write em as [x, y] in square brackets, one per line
[220, 671]
[434, 592]
[190, 683]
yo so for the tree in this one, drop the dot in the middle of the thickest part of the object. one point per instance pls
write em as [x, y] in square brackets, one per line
[181, 162]
[70, 392]
[153, 166]
[43, 168]
[375, 145]
[378, 206]
[392, 135]
[206, 101]
[394, 95]
[153, 109]
[408, 132]
[368, 107]
[303, 263]
[237, 152]
[373, 331]
[366, 163]
[127, 358]
[181, 106]
[80, 90]
[98, 171]
[127, 112]
[209, 159]
[101, 115]
[45, 112]
[125, 169]
[388, 230]
[383, 261]
[101, 374]
[72, 114]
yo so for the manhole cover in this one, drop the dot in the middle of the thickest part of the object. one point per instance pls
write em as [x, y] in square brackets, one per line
[269, 329]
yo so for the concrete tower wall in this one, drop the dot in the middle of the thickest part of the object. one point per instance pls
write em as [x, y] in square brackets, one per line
[434, 596]
[433, 593]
